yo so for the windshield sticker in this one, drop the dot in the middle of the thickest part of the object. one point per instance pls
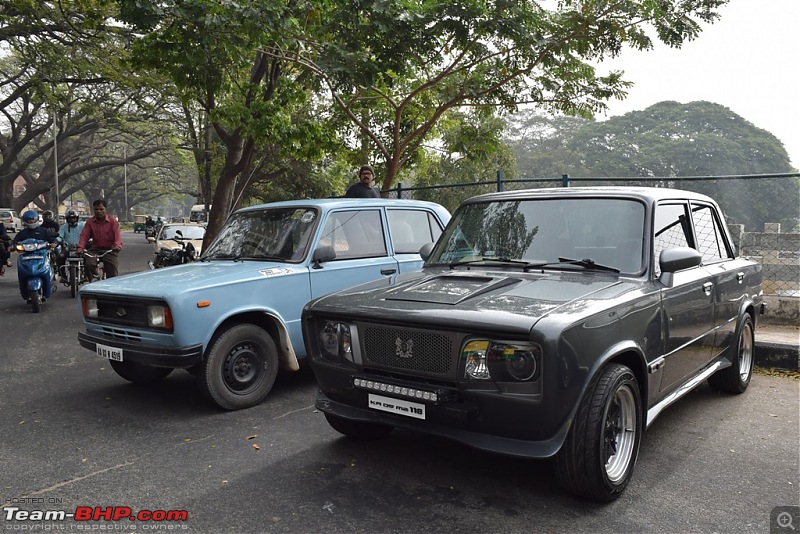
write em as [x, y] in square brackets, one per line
[307, 217]
[277, 271]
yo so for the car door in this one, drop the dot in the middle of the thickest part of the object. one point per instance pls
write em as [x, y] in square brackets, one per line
[409, 230]
[688, 304]
[727, 271]
[358, 237]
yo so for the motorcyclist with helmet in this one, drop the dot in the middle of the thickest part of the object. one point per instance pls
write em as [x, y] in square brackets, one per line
[70, 233]
[33, 230]
[49, 222]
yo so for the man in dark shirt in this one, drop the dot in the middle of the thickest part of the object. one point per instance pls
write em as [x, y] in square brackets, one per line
[103, 230]
[5, 242]
[363, 189]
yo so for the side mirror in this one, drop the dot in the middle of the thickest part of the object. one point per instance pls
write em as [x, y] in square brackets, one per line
[321, 255]
[426, 250]
[676, 259]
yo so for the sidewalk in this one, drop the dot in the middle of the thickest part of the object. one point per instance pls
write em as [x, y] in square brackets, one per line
[778, 346]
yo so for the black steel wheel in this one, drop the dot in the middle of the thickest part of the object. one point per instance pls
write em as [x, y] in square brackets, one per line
[139, 373]
[736, 378]
[596, 460]
[240, 367]
[360, 430]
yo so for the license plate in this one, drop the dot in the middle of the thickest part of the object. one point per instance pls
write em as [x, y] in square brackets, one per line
[110, 353]
[398, 406]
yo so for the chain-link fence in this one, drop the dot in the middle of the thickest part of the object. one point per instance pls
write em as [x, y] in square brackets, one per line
[762, 211]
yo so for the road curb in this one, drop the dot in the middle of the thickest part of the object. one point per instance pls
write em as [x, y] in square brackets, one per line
[777, 355]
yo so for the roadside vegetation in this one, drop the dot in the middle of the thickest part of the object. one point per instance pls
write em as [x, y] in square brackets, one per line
[233, 103]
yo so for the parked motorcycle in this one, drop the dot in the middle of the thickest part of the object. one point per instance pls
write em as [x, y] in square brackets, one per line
[35, 272]
[166, 257]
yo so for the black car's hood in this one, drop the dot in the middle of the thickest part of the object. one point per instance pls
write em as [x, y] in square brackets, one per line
[504, 299]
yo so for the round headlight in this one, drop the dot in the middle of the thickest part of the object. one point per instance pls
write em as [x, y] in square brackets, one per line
[329, 339]
[521, 365]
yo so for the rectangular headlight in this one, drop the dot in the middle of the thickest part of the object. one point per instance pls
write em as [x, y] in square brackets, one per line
[89, 306]
[159, 316]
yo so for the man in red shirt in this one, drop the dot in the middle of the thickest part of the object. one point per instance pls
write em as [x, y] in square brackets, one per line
[103, 231]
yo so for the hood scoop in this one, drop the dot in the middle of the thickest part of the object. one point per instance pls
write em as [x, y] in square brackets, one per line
[450, 289]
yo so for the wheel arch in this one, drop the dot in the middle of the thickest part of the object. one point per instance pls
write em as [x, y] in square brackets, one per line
[269, 323]
[629, 354]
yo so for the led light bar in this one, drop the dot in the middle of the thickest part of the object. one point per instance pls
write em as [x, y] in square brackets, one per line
[402, 391]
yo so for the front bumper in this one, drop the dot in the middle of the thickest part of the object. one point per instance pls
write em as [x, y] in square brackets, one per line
[512, 425]
[153, 355]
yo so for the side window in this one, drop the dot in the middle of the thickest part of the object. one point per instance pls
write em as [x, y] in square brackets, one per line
[671, 229]
[410, 229]
[354, 234]
[710, 240]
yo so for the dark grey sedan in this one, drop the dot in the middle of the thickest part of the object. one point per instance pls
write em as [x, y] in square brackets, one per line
[545, 323]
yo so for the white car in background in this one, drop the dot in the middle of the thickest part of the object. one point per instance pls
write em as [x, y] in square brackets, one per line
[10, 218]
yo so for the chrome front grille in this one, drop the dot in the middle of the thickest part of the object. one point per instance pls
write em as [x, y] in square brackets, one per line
[411, 350]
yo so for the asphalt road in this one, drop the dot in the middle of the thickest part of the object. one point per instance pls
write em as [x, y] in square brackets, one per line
[73, 434]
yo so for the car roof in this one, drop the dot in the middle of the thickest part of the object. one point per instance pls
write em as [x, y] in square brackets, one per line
[647, 194]
[326, 204]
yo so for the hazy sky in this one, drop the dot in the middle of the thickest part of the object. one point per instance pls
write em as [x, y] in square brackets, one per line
[748, 61]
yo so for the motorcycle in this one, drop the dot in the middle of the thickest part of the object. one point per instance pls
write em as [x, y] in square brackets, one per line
[150, 231]
[72, 272]
[99, 266]
[167, 257]
[35, 272]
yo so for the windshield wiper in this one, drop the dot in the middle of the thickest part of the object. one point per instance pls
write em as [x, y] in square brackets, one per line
[488, 258]
[586, 263]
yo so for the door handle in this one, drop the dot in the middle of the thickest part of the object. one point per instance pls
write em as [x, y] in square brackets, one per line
[388, 271]
[707, 288]
[740, 277]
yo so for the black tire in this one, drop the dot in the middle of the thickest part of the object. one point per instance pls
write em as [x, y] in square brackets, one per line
[240, 367]
[736, 378]
[597, 459]
[360, 430]
[36, 301]
[73, 281]
[138, 373]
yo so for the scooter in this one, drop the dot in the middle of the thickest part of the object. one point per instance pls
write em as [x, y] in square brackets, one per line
[35, 272]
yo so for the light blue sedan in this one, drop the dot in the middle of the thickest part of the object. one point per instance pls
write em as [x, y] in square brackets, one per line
[233, 317]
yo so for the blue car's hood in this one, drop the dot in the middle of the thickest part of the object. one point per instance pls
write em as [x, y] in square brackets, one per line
[199, 275]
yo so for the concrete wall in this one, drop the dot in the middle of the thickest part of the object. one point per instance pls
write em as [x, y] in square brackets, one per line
[779, 253]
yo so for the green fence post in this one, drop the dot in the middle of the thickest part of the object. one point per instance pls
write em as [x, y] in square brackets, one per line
[565, 180]
[500, 180]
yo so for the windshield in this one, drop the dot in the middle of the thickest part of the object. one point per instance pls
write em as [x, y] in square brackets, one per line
[186, 232]
[278, 234]
[608, 232]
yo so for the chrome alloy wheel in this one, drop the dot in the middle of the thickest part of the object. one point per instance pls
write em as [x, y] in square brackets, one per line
[619, 434]
[746, 352]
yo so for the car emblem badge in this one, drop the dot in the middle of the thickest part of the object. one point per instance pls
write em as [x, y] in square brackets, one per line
[121, 312]
[404, 348]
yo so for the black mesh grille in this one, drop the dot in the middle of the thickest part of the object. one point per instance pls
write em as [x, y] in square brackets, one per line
[122, 312]
[411, 350]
